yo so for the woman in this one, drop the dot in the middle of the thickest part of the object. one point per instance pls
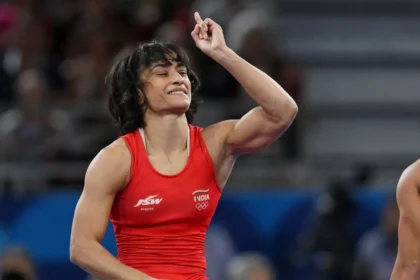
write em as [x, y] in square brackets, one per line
[162, 180]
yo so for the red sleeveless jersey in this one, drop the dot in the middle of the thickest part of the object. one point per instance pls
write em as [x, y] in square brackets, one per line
[160, 221]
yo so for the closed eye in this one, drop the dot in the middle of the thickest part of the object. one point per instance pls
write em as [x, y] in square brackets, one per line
[162, 74]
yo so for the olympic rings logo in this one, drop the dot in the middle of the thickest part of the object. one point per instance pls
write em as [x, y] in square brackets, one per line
[202, 205]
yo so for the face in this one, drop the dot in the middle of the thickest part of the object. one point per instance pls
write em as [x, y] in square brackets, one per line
[167, 88]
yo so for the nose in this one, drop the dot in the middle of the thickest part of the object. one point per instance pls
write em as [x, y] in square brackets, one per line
[177, 78]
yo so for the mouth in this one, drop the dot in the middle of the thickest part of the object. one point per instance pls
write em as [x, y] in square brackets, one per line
[178, 91]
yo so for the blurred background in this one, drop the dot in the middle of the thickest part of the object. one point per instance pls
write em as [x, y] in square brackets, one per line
[317, 204]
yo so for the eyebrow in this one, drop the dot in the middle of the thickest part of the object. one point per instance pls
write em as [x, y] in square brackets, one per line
[178, 65]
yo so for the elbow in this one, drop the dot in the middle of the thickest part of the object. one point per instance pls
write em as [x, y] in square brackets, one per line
[292, 110]
[287, 114]
[75, 254]
[78, 255]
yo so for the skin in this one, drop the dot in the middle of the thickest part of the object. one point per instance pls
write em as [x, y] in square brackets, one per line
[166, 136]
[407, 265]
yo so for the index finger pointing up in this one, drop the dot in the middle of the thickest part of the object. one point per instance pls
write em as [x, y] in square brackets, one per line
[197, 18]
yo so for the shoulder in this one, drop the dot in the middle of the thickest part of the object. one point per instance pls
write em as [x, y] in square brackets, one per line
[111, 165]
[413, 168]
[115, 153]
[410, 175]
[408, 185]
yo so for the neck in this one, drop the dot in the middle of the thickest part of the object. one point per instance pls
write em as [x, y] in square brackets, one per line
[166, 134]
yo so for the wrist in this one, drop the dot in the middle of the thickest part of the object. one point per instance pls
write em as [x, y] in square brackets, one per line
[223, 55]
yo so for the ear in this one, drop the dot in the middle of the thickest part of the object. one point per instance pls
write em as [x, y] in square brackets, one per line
[142, 97]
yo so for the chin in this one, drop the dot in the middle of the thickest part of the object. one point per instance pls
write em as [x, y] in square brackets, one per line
[180, 108]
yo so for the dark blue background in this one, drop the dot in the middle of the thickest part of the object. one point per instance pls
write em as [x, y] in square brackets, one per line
[265, 221]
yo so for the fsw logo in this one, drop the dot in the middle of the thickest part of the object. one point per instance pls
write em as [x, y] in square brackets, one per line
[201, 198]
[151, 200]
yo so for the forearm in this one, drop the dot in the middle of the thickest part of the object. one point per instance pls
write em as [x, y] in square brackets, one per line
[97, 261]
[266, 92]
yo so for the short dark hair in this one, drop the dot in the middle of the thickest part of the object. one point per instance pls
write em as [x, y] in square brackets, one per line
[125, 83]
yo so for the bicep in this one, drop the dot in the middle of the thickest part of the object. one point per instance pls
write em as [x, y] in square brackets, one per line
[91, 215]
[254, 131]
[105, 177]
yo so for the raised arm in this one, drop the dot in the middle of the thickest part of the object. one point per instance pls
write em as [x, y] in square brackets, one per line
[107, 174]
[276, 111]
[407, 266]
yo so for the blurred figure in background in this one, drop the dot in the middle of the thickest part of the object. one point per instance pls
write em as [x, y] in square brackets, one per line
[328, 245]
[250, 266]
[219, 249]
[17, 264]
[362, 175]
[377, 249]
[28, 131]
[25, 127]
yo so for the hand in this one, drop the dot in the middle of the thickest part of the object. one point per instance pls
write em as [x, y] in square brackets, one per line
[208, 36]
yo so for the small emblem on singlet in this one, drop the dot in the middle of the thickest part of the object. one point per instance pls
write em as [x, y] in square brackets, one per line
[201, 199]
[149, 201]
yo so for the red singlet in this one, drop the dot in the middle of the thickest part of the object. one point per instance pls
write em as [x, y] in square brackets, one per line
[160, 221]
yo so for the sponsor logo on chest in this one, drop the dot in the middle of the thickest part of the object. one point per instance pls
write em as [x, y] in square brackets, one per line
[150, 201]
